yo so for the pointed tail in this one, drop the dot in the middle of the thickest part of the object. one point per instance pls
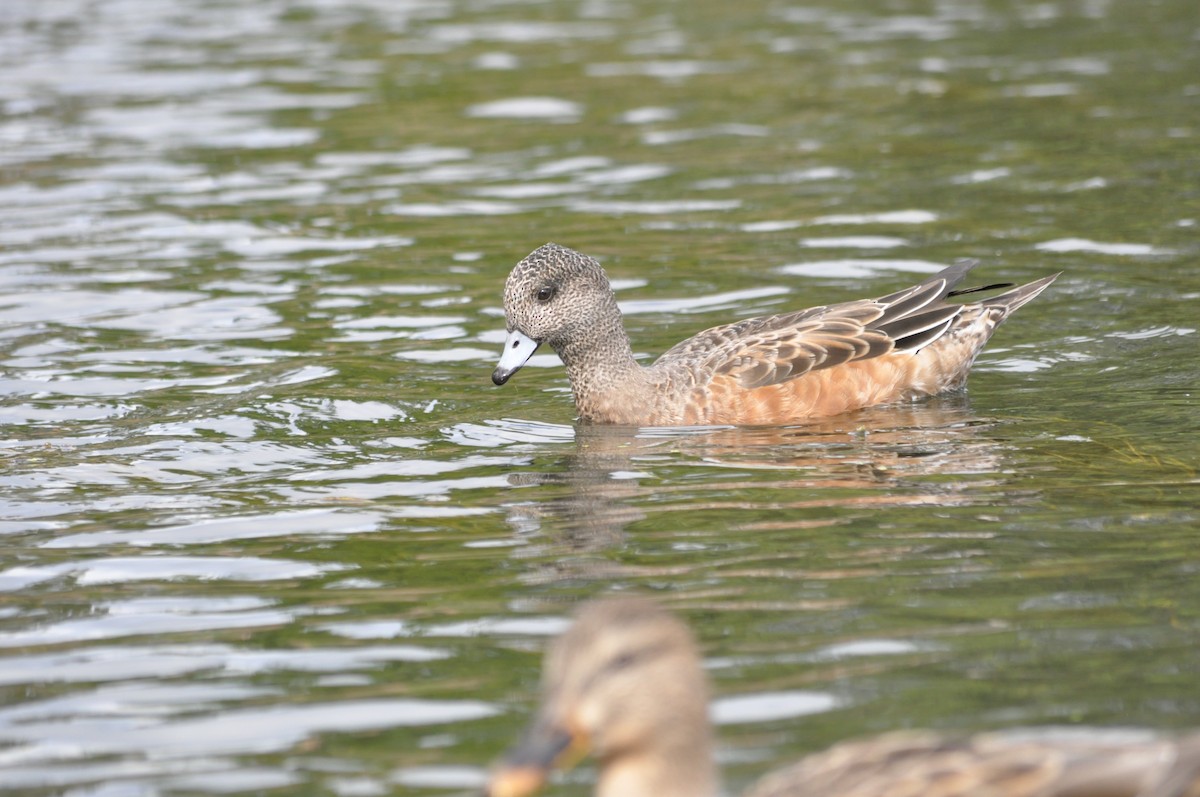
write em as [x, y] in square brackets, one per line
[1019, 296]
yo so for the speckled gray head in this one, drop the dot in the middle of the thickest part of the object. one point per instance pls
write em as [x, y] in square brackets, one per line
[550, 297]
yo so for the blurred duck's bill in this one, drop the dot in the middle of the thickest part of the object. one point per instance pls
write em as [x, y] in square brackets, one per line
[518, 348]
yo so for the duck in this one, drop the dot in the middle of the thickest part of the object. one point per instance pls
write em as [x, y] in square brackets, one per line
[769, 370]
[625, 683]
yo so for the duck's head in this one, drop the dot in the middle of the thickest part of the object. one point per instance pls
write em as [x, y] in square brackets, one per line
[552, 296]
[624, 683]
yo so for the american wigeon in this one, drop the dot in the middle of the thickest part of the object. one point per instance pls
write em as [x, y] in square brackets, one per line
[769, 370]
[625, 683]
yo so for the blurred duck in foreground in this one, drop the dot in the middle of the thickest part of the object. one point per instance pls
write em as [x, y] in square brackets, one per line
[625, 683]
[770, 370]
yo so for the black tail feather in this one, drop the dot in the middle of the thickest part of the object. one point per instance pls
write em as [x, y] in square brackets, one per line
[995, 286]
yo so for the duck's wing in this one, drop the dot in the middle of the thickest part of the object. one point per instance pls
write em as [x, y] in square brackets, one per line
[1046, 763]
[765, 351]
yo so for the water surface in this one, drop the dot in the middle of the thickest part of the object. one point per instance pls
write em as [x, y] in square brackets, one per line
[267, 526]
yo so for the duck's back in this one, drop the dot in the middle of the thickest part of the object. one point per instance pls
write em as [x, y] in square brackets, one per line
[833, 359]
[1039, 763]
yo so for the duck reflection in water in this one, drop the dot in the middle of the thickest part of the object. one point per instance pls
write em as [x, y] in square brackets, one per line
[938, 453]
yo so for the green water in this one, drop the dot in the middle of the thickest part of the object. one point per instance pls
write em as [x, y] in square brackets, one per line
[266, 526]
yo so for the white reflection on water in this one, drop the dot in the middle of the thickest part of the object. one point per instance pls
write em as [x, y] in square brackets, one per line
[120, 570]
[305, 521]
[443, 777]
[700, 304]
[149, 616]
[854, 242]
[771, 706]
[656, 138]
[648, 115]
[269, 246]
[518, 31]
[620, 175]
[427, 489]
[1096, 247]
[484, 626]
[235, 731]
[884, 217]
[465, 207]
[451, 355]
[78, 306]
[26, 414]
[421, 155]
[661, 69]
[528, 190]
[1038, 90]
[789, 177]
[619, 207]
[1154, 332]
[393, 468]
[223, 318]
[496, 626]
[858, 268]
[508, 431]
[98, 664]
[982, 176]
[40, 386]
[544, 108]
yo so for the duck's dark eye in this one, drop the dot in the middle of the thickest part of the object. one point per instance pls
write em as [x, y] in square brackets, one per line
[545, 293]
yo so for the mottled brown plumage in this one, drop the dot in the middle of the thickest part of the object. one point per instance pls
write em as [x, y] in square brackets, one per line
[775, 369]
[625, 683]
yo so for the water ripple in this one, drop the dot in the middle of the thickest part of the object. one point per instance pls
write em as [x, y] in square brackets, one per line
[121, 570]
[237, 731]
[152, 616]
[300, 522]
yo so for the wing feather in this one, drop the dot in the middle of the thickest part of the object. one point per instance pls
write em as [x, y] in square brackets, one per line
[919, 329]
[772, 349]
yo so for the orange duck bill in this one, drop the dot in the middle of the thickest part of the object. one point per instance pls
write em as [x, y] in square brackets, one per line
[524, 769]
